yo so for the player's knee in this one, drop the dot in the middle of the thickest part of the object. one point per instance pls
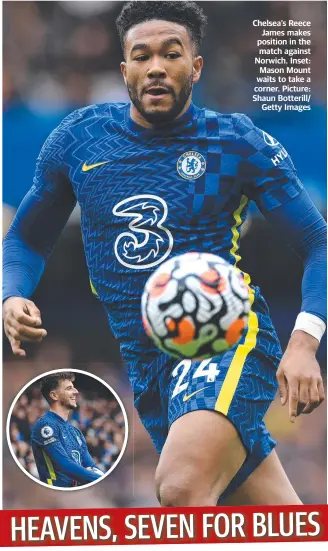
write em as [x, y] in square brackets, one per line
[173, 491]
[179, 490]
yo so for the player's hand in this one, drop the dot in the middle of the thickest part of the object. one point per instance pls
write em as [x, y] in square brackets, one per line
[22, 323]
[95, 470]
[299, 377]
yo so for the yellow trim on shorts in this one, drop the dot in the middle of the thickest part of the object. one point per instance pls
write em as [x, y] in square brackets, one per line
[50, 468]
[231, 381]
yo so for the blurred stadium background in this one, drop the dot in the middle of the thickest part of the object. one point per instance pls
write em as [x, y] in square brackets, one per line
[62, 55]
[99, 416]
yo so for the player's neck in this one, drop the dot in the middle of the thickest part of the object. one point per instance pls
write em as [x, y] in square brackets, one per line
[61, 411]
[139, 119]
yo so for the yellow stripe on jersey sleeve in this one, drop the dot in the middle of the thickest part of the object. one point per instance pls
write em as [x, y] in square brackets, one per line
[50, 468]
[235, 230]
[93, 289]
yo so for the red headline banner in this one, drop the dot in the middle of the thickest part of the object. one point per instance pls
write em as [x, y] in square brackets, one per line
[163, 525]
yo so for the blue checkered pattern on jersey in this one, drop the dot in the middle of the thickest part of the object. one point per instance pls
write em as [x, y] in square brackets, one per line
[199, 214]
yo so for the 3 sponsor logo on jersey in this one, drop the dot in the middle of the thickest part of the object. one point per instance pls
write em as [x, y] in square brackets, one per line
[191, 165]
[147, 241]
[47, 431]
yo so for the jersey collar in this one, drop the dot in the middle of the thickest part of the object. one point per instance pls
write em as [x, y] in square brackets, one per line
[56, 416]
[179, 125]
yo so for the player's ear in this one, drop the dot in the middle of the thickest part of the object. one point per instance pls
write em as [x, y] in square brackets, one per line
[123, 70]
[53, 395]
[197, 68]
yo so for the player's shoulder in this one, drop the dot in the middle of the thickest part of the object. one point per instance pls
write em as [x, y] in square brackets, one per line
[45, 426]
[248, 141]
[242, 123]
[230, 125]
[247, 134]
[75, 124]
[108, 111]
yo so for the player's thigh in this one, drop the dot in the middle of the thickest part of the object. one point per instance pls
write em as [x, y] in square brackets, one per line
[202, 453]
[235, 390]
[152, 406]
[267, 485]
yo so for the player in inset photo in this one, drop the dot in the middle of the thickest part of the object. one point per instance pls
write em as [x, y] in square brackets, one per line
[60, 450]
[63, 437]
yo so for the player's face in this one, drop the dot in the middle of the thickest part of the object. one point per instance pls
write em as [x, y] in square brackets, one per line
[160, 70]
[67, 394]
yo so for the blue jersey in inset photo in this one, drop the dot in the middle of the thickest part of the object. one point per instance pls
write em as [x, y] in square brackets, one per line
[60, 452]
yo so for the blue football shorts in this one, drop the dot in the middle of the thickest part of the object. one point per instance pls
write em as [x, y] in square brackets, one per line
[240, 384]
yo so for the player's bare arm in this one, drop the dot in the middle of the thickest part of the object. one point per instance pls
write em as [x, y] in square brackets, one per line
[299, 376]
[22, 323]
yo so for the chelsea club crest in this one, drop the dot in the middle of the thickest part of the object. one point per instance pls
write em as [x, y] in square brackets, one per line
[191, 165]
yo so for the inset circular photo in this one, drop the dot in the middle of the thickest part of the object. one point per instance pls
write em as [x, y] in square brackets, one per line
[67, 429]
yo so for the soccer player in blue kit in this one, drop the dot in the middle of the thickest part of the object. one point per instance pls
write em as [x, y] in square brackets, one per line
[60, 450]
[156, 178]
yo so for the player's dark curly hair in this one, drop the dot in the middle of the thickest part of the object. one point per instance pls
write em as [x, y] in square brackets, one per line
[51, 382]
[188, 14]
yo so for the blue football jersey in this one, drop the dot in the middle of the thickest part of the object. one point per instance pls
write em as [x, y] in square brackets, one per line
[146, 195]
[60, 452]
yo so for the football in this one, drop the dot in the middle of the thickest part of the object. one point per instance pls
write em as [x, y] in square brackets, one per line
[195, 306]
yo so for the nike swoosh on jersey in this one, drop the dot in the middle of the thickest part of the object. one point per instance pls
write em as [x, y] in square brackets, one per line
[188, 396]
[86, 168]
